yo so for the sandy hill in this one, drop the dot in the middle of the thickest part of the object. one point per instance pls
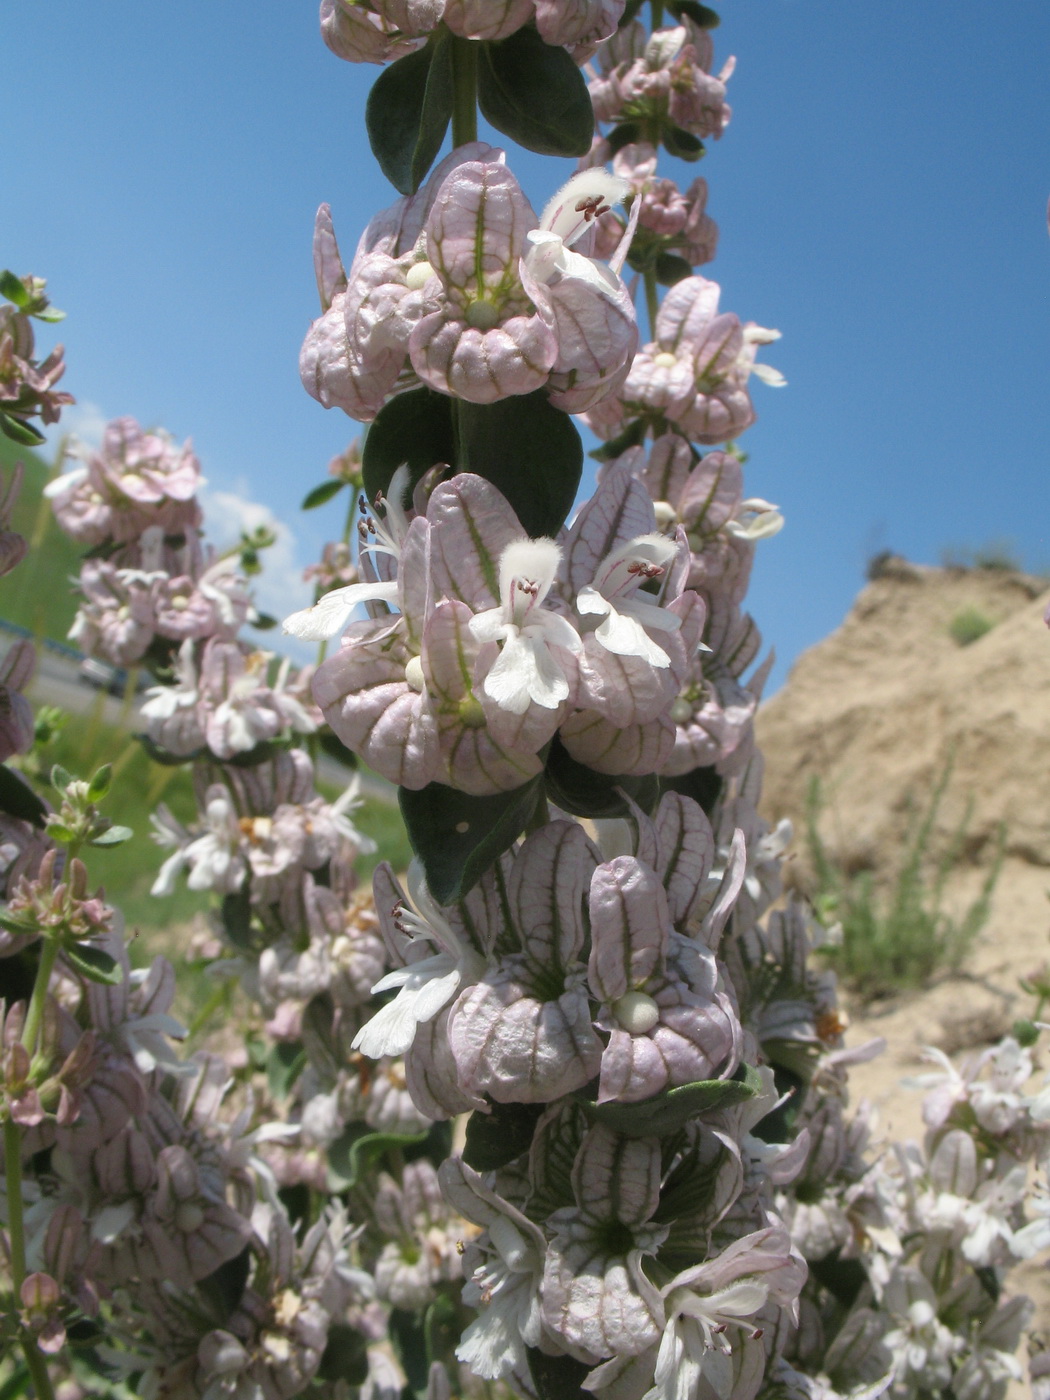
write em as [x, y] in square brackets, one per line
[876, 711]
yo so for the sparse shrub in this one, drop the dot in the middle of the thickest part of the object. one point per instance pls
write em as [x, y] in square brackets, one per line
[876, 566]
[997, 555]
[969, 625]
[902, 936]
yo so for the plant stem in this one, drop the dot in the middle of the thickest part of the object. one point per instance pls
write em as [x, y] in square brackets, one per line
[652, 301]
[38, 1371]
[13, 1179]
[38, 1000]
[464, 91]
[16, 1236]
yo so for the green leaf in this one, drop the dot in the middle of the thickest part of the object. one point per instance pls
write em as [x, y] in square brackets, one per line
[413, 429]
[60, 778]
[496, 1138]
[19, 431]
[101, 783]
[408, 112]
[333, 746]
[557, 1377]
[94, 963]
[50, 314]
[236, 914]
[682, 144]
[264, 622]
[58, 831]
[345, 1356]
[405, 1330]
[502, 442]
[442, 1326]
[632, 436]
[581, 791]
[843, 1278]
[224, 1289]
[285, 1063]
[671, 1110]
[457, 837]
[623, 135]
[320, 495]
[703, 785]
[670, 268]
[19, 800]
[534, 93]
[164, 756]
[353, 1154]
[630, 10]
[115, 836]
[13, 288]
[701, 15]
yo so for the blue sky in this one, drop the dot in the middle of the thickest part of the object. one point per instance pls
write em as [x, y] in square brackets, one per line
[881, 194]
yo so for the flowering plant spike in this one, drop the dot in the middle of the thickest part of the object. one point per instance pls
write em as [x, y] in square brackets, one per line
[557, 1108]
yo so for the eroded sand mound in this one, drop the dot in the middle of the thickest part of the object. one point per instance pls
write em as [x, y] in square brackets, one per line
[876, 711]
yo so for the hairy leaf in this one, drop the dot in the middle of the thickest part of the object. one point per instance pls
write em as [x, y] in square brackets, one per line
[534, 93]
[458, 837]
[408, 112]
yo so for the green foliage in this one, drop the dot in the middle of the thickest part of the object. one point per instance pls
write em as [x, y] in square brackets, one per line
[457, 836]
[536, 94]
[969, 625]
[37, 595]
[408, 112]
[901, 936]
[667, 1113]
[496, 441]
[997, 556]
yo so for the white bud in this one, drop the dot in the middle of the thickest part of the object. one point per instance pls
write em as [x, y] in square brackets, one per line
[636, 1012]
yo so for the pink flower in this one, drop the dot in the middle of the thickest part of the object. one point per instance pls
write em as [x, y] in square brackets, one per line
[136, 480]
[463, 286]
[375, 31]
[695, 373]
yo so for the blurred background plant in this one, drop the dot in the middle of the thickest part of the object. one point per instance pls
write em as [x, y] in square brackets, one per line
[896, 934]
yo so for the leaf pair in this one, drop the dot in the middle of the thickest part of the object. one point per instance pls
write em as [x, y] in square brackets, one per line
[529, 450]
[531, 91]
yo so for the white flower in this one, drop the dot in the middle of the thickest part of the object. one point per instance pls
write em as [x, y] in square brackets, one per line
[755, 518]
[613, 595]
[424, 987]
[332, 612]
[526, 670]
[566, 218]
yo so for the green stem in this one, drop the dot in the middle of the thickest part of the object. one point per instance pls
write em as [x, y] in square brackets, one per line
[16, 1237]
[541, 814]
[657, 8]
[37, 1370]
[652, 301]
[37, 1002]
[464, 90]
[13, 1178]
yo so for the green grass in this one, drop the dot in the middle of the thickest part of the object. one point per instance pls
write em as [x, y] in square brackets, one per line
[127, 872]
[38, 594]
[969, 625]
[899, 936]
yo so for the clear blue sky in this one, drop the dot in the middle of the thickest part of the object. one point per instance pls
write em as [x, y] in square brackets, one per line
[881, 194]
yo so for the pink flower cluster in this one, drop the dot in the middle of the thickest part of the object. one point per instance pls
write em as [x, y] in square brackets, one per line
[462, 288]
[27, 385]
[375, 31]
[662, 79]
[499, 642]
[531, 999]
[134, 504]
[694, 375]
